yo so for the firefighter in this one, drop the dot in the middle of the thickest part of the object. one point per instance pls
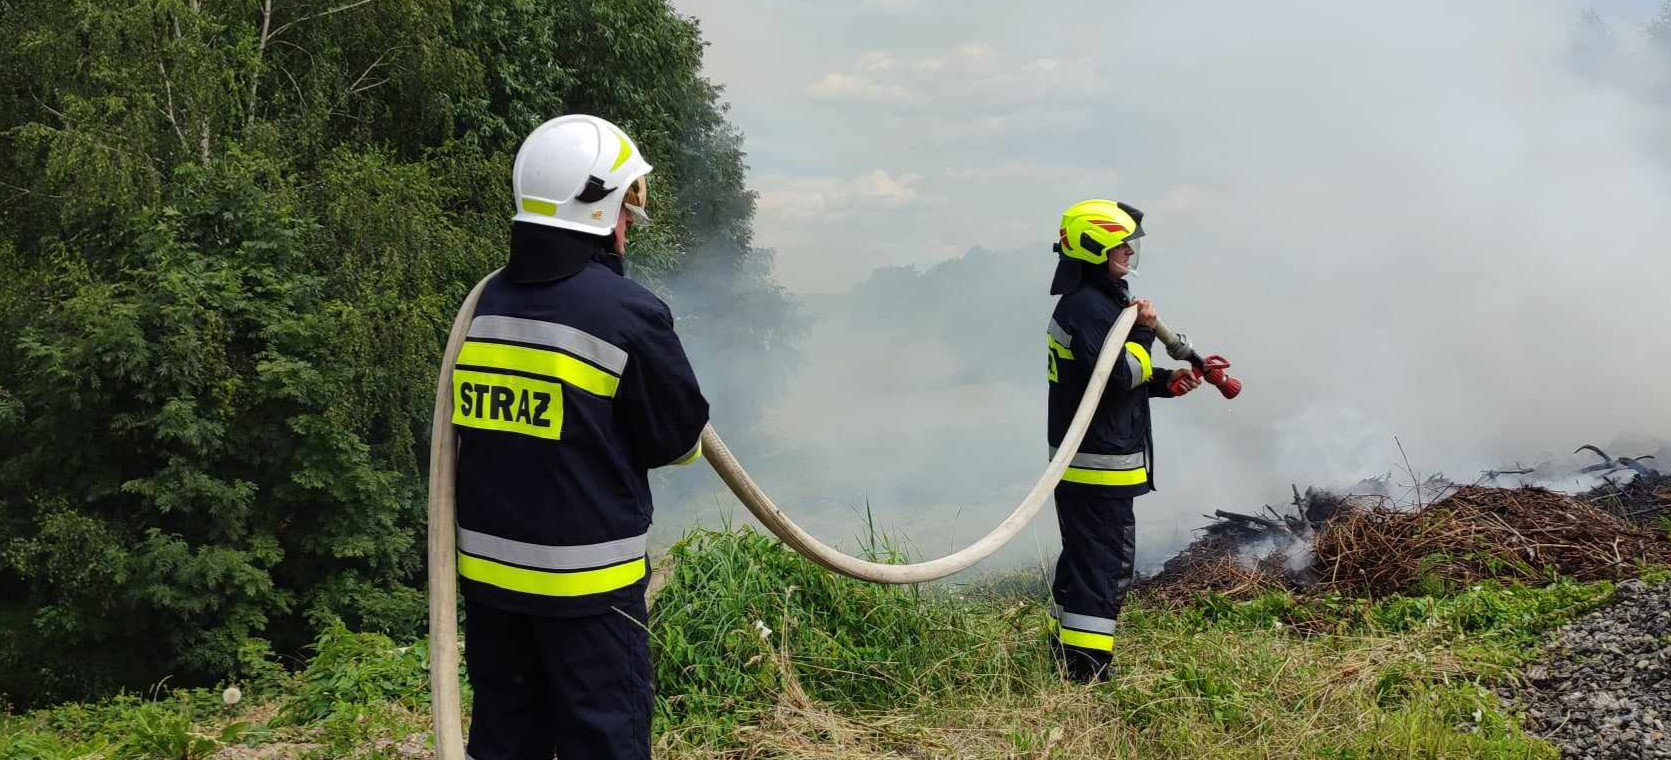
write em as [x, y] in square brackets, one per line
[1098, 246]
[570, 386]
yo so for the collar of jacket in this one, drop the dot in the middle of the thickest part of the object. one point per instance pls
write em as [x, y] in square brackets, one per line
[1117, 289]
[545, 254]
[1089, 274]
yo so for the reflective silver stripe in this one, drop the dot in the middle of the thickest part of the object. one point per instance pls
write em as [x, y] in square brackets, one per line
[1061, 336]
[551, 557]
[577, 342]
[1087, 623]
[1104, 461]
[1135, 367]
[1081, 622]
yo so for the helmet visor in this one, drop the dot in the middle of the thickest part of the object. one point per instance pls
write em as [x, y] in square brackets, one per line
[1130, 265]
[637, 201]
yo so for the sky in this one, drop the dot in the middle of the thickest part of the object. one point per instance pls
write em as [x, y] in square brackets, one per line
[1406, 224]
[888, 132]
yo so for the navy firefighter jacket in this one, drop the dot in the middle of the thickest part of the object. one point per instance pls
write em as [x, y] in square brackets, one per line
[1115, 459]
[569, 388]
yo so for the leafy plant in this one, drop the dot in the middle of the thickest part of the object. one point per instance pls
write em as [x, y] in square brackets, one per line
[234, 236]
[354, 670]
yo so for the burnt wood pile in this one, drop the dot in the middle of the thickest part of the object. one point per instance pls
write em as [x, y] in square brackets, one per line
[1372, 546]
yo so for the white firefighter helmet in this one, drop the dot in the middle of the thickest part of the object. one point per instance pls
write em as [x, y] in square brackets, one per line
[577, 172]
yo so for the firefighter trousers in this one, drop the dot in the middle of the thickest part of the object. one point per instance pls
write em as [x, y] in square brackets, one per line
[1099, 540]
[579, 688]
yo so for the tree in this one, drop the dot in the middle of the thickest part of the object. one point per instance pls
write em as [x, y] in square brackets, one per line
[1593, 45]
[233, 236]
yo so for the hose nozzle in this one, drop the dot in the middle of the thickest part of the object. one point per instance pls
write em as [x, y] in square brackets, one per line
[1211, 368]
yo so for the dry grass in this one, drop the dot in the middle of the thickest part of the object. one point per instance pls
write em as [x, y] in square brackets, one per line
[1530, 535]
[1370, 547]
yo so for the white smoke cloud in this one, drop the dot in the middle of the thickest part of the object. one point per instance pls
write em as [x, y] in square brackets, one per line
[1398, 220]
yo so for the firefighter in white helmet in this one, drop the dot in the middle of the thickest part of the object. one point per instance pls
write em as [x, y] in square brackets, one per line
[570, 386]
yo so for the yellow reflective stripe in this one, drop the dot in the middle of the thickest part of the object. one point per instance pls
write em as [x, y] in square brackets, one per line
[537, 361]
[508, 403]
[1056, 345]
[623, 154]
[1106, 477]
[1056, 349]
[695, 452]
[1142, 358]
[536, 206]
[544, 583]
[1101, 642]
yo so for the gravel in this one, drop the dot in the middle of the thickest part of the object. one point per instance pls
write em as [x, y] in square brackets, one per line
[1605, 691]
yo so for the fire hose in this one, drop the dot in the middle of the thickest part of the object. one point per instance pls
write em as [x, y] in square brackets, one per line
[445, 702]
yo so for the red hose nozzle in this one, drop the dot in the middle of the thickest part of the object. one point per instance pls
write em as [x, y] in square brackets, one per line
[1231, 387]
[1212, 369]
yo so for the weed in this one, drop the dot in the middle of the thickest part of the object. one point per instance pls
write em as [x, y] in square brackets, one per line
[164, 731]
[350, 670]
[742, 618]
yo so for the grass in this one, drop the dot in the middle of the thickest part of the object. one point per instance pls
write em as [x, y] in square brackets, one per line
[759, 654]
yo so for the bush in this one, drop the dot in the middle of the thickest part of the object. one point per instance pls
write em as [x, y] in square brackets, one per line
[226, 274]
[356, 670]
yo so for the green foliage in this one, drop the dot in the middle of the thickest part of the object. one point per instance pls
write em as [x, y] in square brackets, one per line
[1461, 720]
[743, 618]
[258, 674]
[156, 732]
[42, 745]
[1277, 676]
[187, 724]
[744, 624]
[1511, 615]
[1207, 684]
[351, 671]
[233, 235]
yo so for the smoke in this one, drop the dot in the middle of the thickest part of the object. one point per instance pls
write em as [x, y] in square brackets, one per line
[1400, 220]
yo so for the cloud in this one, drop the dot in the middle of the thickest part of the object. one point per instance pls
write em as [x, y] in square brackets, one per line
[858, 87]
[973, 76]
[894, 6]
[836, 198]
[830, 231]
[877, 60]
[1027, 172]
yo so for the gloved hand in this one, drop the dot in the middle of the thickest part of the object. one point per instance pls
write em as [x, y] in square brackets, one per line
[1183, 381]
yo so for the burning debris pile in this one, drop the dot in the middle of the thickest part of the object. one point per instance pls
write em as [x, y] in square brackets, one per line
[1371, 545]
[1522, 534]
[1241, 554]
[1645, 499]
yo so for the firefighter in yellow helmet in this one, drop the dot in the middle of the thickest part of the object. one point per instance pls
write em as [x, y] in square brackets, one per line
[1099, 244]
